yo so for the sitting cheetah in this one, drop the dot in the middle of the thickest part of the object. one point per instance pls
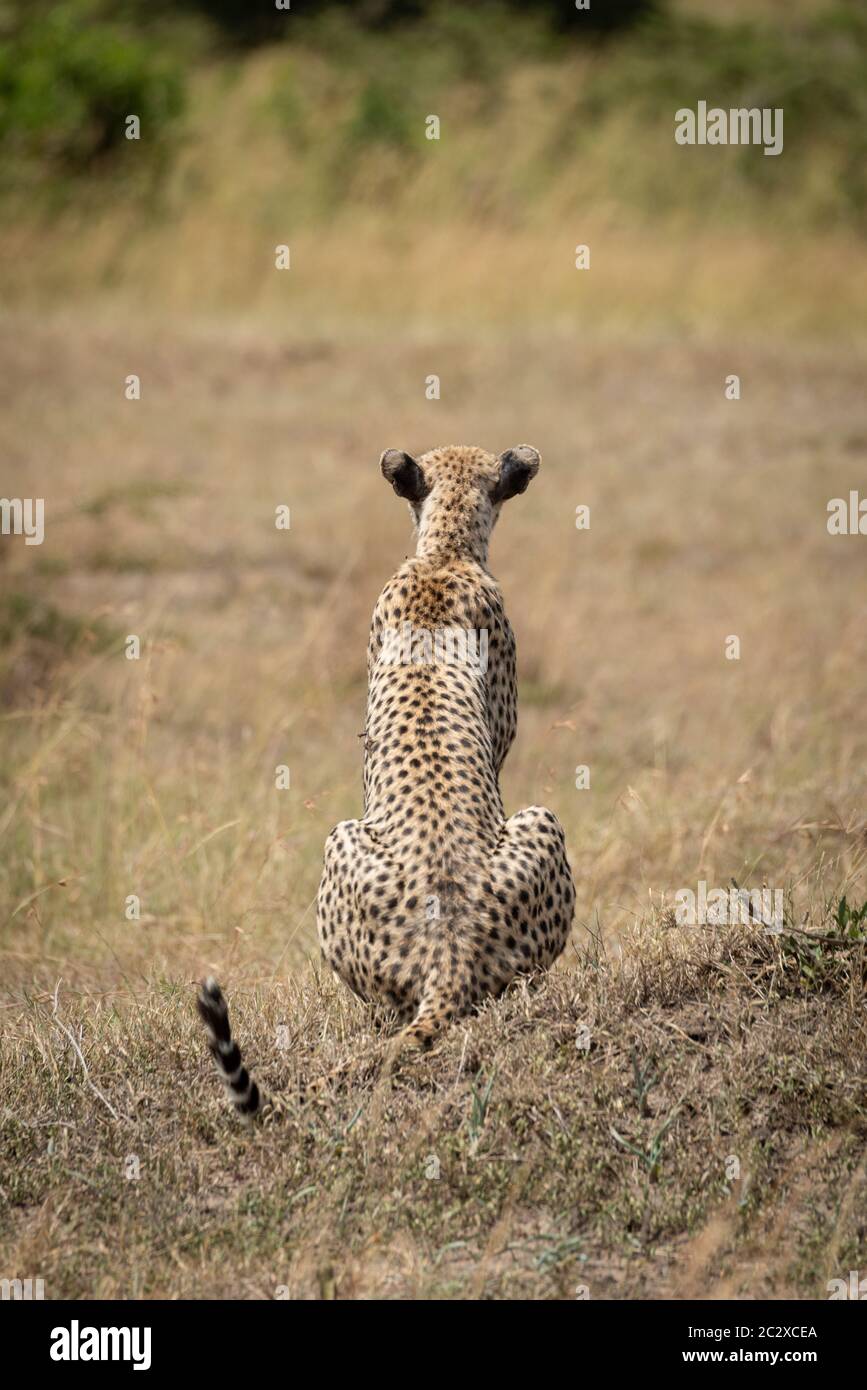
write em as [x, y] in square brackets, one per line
[434, 900]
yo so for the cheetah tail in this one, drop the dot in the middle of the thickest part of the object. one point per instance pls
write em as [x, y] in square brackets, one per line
[246, 1096]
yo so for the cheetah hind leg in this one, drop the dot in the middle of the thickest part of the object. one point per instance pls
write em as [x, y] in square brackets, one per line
[383, 1059]
[419, 1035]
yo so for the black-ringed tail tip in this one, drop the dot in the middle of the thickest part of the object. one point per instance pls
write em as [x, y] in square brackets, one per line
[214, 1013]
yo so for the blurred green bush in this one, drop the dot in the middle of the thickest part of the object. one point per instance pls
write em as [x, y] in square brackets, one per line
[69, 78]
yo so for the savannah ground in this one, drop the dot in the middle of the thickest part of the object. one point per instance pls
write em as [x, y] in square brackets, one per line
[577, 1133]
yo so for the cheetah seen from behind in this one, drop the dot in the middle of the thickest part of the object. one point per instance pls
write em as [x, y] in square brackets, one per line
[434, 899]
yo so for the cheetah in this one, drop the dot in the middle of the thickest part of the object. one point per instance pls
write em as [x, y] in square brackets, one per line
[434, 900]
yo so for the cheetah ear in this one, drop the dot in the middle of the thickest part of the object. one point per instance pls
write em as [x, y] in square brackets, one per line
[517, 467]
[404, 474]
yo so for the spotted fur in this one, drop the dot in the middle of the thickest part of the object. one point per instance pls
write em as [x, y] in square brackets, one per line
[434, 900]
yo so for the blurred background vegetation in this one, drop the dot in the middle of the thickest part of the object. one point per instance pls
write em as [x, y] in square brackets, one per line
[257, 121]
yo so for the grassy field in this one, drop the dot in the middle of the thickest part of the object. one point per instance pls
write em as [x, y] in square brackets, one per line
[676, 1111]
[156, 778]
[705, 1141]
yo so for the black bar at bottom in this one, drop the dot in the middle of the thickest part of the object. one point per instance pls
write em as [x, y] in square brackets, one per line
[82, 1339]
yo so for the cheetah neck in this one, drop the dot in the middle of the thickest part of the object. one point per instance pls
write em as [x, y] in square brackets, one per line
[458, 535]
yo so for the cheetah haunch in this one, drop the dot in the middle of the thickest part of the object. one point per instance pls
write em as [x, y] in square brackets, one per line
[434, 900]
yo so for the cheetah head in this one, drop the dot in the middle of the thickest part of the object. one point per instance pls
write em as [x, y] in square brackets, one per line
[455, 493]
